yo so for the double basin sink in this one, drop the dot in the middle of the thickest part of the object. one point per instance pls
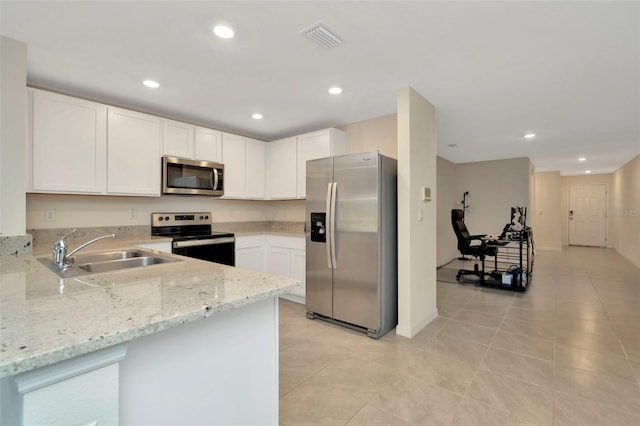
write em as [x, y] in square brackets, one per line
[107, 261]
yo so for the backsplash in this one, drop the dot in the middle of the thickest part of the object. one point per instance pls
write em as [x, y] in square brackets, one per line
[48, 236]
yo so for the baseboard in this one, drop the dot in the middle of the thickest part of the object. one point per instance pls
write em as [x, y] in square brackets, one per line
[410, 332]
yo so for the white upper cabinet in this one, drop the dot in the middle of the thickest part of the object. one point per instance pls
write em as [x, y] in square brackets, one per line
[177, 139]
[233, 157]
[68, 144]
[282, 168]
[320, 144]
[82, 147]
[254, 169]
[192, 142]
[133, 153]
[208, 145]
[244, 173]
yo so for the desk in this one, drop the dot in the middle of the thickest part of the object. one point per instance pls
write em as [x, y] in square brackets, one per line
[514, 258]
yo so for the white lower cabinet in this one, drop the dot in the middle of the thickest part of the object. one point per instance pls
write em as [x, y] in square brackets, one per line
[274, 254]
[79, 391]
[249, 249]
[286, 257]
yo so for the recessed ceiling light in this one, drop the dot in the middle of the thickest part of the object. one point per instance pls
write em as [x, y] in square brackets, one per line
[335, 90]
[530, 136]
[151, 84]
[582, 159]
[256, 116]
[223, 31]
[587, 171]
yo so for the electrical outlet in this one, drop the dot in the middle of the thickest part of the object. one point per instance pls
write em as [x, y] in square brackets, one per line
[133, 213]
[50, 215]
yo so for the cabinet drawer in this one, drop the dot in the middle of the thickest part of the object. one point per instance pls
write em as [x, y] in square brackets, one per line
[248, 241]
[295, 243]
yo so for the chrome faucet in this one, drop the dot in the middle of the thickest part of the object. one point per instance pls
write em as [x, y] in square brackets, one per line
[60, 257]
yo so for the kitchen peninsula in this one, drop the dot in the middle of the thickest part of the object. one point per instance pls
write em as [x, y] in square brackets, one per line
[188, 342]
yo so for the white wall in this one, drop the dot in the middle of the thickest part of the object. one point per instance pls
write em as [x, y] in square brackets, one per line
[376, 134]
[531, 220]
[548, 213]
[416, 218]
[448, 198]
[625, 210]
[494, 187]
[13, 101]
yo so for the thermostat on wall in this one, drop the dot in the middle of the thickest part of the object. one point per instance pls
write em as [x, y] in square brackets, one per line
[426, 194]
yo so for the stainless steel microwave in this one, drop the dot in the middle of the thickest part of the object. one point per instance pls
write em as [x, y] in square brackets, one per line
[181, 176]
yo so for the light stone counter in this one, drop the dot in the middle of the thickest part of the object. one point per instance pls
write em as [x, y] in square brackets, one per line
[45, 319]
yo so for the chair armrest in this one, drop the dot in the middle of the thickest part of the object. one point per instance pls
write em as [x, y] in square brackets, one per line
[476, 237]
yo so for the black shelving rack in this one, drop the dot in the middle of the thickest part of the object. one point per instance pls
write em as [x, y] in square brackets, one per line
[513, 263]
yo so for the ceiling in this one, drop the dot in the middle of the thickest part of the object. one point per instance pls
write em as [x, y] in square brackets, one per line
[567, 71]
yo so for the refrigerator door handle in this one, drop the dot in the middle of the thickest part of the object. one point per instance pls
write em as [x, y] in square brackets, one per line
[329, 225]
[334, 192]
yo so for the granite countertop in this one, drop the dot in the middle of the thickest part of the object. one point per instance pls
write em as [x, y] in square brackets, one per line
[46, 319]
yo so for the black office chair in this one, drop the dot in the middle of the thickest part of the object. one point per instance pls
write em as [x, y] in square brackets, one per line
[465, 247]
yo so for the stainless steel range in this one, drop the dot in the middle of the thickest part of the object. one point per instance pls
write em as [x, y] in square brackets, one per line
[193, 236]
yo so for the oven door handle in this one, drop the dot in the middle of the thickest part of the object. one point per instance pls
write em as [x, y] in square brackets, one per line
[209, 242]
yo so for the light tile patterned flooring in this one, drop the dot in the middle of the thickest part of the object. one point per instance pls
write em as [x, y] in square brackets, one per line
[567, 352]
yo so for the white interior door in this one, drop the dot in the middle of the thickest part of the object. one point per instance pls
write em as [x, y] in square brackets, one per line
[587, 215]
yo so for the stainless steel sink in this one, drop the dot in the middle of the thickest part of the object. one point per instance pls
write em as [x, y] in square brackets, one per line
[80, 259]
[114, 265]
[107, 261]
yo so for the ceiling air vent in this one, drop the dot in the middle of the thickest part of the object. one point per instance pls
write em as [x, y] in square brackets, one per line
[323, 35]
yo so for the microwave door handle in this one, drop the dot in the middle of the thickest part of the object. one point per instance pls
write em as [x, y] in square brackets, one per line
[215, 179]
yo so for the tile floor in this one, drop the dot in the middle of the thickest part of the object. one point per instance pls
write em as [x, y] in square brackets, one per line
[567, 352]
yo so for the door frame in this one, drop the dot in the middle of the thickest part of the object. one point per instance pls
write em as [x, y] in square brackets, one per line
[606, 208]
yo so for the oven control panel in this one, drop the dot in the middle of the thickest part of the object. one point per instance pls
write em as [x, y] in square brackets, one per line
[180, 219]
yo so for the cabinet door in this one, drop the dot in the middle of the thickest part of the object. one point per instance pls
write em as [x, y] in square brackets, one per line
[279, 261]
[249, 252]
[133, 153]
[177, 139]
[68, 144]
[249, 258]
[233, 157]
[298, 270]
[311, 146]
[255, 159]
[208, 145]
[282, 161]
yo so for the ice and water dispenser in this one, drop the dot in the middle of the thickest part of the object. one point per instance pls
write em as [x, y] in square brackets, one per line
[318, 227]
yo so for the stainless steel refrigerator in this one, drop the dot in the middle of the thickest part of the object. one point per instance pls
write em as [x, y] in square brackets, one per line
[351, 241]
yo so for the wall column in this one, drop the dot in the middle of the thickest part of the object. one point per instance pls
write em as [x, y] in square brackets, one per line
[13, 160]
[417, 218]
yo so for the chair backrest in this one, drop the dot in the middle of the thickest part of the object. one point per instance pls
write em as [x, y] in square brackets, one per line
[462, 233]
